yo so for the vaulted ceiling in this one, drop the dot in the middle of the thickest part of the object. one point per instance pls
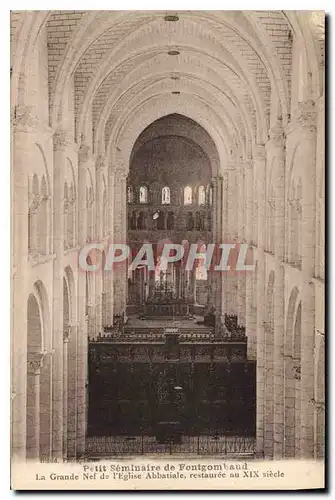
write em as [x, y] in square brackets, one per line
[225, 69]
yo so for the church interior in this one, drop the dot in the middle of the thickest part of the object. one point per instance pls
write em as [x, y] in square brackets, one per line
[190, 127]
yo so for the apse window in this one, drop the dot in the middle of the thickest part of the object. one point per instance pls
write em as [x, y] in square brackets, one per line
[143, 194]
[201, 195]
[201, 272]
[166, 196]
[210, 195]
[187, 195]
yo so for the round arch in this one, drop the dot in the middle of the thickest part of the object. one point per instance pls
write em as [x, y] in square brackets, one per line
[154, 109]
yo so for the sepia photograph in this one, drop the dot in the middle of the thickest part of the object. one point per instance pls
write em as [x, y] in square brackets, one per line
[167, 249]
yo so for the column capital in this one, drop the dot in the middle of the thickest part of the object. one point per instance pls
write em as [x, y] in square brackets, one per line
[120, 173]
[276, 134]
[35, 362]
[84, 153]
[34, 202]
[259, 152]
[61, 139]
[24, 119]
[306, 114]
[100, 162]
[66, 334]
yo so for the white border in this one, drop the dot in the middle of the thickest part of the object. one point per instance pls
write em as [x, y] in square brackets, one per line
[5, 177]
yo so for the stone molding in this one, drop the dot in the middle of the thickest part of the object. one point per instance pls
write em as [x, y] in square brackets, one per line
[35, 362]
[84, 153]
[100, 162]
[259, 152]
[276, 134]
[61, 140]
[306, 114]
[23, 119]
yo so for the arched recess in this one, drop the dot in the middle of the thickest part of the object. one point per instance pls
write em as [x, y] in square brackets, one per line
[269, 367]
[69, 365]
[292, 356]
[38, 421]
[127, 130]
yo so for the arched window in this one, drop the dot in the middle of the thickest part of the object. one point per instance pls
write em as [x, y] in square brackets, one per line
[201, 195]
[201, 269]
[187, 195]
[210, 195]
[166, 200]
[143, 194]
[130, 194]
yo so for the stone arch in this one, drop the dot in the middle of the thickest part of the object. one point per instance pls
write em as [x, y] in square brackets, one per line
[292, 358]
[35, 329]
[127, 131]
[230, 123]
[25, 41]
[38, 375]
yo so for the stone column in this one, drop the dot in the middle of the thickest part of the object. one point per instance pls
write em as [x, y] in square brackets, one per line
[218, 193]
[240, 234]
[23, 127]
[46, 408]
[109, 274]
[276, 147]
[72, 393]
[83, 161]
[231, 237]
[65, 385]
[307, 120]
[250, 312]
[33, 209]
[260, 168]
[61, 141]
[33, 405]
[120, 236]
[99, 168]
[224, 232]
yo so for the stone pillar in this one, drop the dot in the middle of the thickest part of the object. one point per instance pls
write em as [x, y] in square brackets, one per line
[33, 209]
[65, 385]
[224, 232]
[250, 311]
[109, 274]
[276, 147]
[260, 168]
[241, 284]
[307, 120]
[83, 160]
[61, 141]
[46, 408]
[33, 405]
[23, 127]
[72, 393]
[217, 231]
[99, 168]
[230, 284]
[120, 236]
